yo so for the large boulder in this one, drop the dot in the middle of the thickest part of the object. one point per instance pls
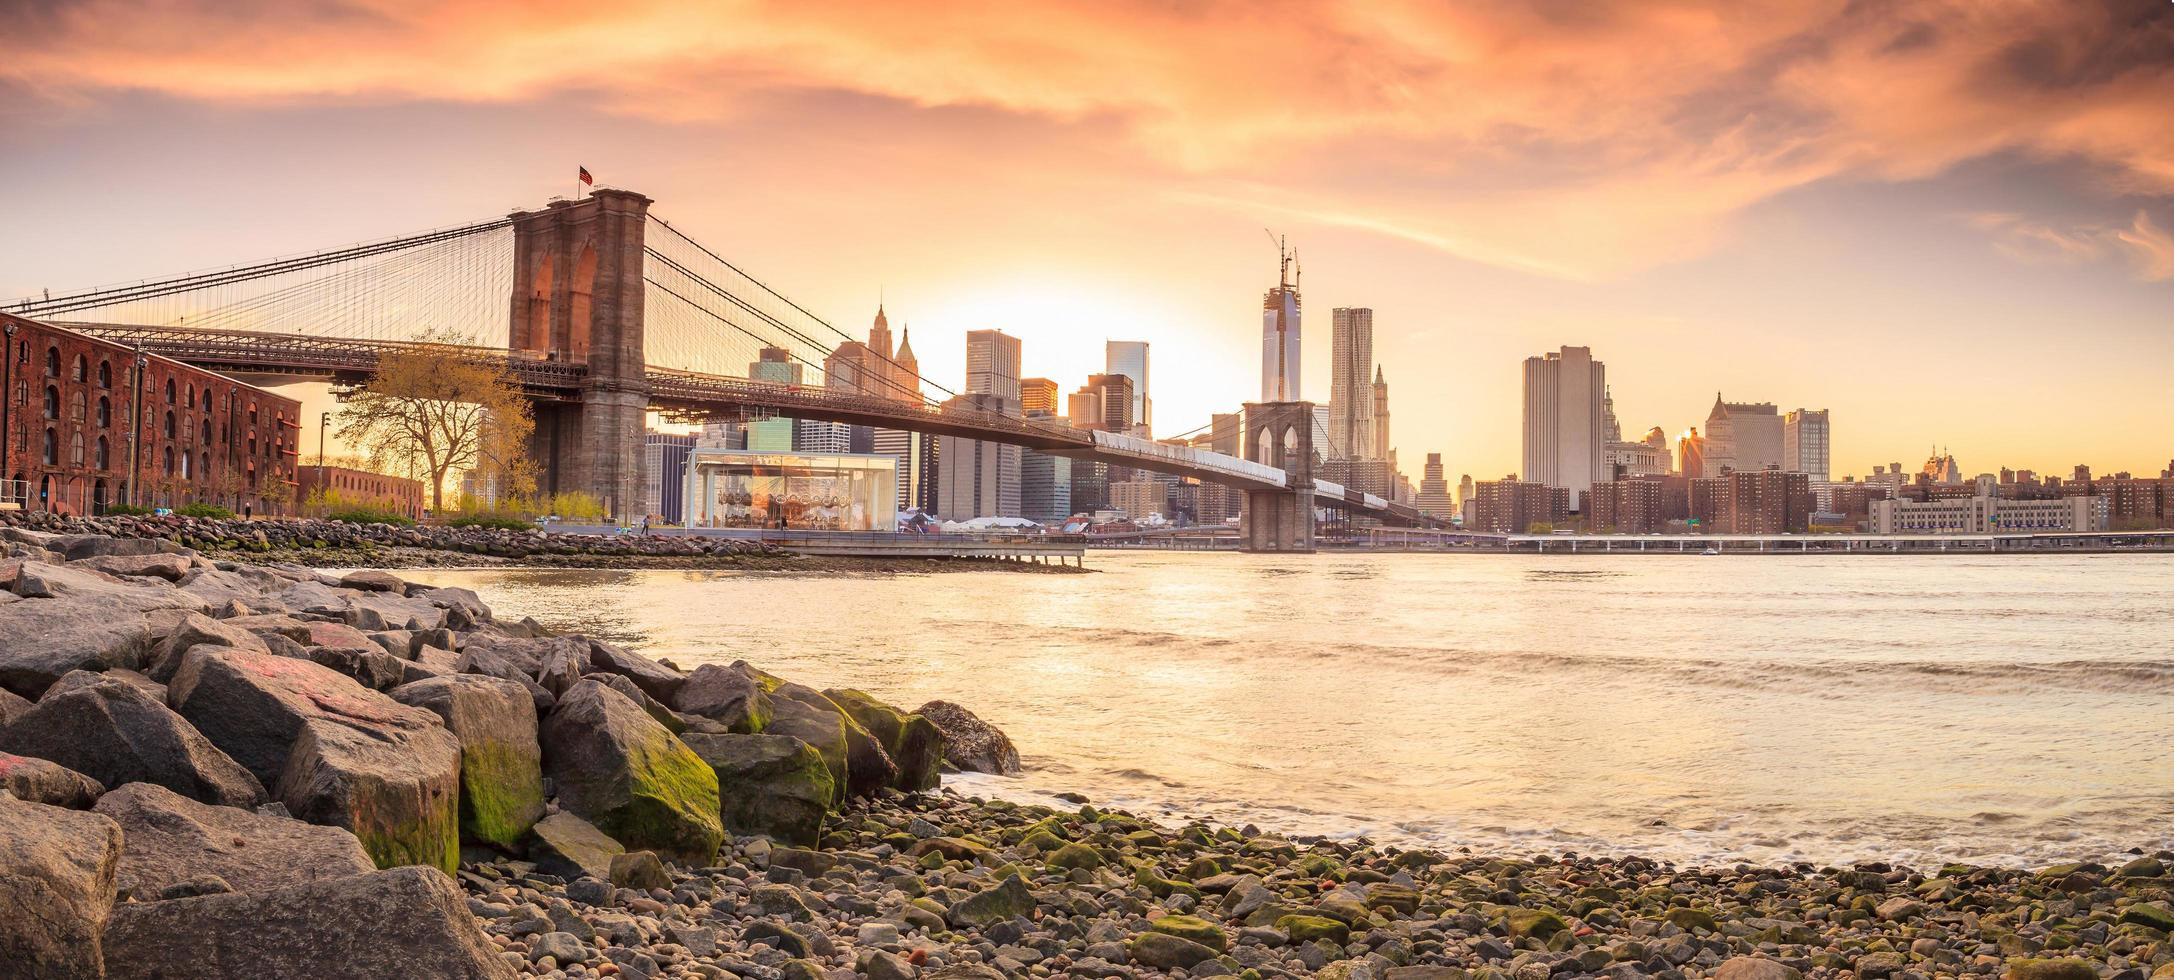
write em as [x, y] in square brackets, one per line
[868, 767]
[566, 845]
[820, 729]
[971, 743]
[82, 620]
[56, 889]
[660, 681]
[198, 630]
[112, 731]
[501, 765]
[406, 922]
[913, 742]
[168, 840]
[463, 609]
[84, 678]
[511, 663]
[47, 782]
[726, 695]
[769, 784]
[626, 773]
[338, 753]
[12, 705]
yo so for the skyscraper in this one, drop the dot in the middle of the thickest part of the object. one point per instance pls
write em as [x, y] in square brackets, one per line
[1351, 400]
[1104, 403]
[976, 478]
[1434, 489]
[1129, 358]
[1564, 441]
[1744, 436]
[992, 368]
[1380, 449]
[774, 365]
[1037, 395]
[1279, 333]
[1804, 443]
[1691, 455]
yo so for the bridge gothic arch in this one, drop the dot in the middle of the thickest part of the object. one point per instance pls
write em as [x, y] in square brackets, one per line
[1280, 434]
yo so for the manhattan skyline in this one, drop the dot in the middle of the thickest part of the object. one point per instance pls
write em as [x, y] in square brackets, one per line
[1946, 224]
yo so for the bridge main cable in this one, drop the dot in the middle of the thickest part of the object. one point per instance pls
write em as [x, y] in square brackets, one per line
[38, 307]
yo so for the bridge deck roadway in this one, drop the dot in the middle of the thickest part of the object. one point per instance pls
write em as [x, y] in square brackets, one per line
[689, 395]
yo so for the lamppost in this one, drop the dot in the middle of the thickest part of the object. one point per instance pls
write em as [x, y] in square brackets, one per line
[135, 425]
[7, 402]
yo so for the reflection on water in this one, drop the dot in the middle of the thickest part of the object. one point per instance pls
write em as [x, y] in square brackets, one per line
[1819, 708]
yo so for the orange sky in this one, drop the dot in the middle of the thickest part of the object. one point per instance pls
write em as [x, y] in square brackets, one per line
[1946, 222]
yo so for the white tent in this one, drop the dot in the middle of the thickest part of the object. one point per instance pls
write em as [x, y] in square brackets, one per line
[991, 524]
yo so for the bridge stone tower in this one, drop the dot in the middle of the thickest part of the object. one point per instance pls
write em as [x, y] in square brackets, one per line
[577, 298]
[1280, 434]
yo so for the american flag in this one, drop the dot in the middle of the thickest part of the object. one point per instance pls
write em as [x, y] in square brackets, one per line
[585, 178]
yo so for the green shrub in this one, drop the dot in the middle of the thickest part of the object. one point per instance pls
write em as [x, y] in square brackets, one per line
[370, 515]
[491, 521]
[200, 509]
[127, 510]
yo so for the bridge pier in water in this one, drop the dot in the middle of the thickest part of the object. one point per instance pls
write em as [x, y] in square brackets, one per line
[577, 297]
[1279, 434]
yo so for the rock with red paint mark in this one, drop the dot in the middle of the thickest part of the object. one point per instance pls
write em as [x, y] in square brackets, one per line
[335, 752]
[47, 782]
[114, 732]
[56, 889]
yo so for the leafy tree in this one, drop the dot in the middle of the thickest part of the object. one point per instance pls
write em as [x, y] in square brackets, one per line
[439, 408]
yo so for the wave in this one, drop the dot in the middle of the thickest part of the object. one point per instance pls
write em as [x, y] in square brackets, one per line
[1942, 674]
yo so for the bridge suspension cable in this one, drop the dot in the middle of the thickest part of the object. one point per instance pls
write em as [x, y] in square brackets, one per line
[693, 278]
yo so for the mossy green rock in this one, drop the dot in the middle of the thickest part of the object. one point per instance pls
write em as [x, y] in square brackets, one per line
[1194, 928]
[565, 845]
[501, 767]
[769, 784]
[1535, 923]
[1689, 918]
[1075, 855]
[2051, 969]
[1161, 887]
[1010, 898]
[1167, 952]
[914, 743]
[1307, 928]
[619, 769]
[2145, 914]
[822, 730]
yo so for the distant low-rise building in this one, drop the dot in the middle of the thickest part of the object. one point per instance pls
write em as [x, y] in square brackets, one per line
[1626, 507]
[1139, 498]
[1511, 505]
[1986, 514]
[1767, 502]
[664, 461]
[339, 486]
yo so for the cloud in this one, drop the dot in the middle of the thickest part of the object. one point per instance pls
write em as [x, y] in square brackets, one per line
[2141, 243]
[1575, 139]
[2150, 247]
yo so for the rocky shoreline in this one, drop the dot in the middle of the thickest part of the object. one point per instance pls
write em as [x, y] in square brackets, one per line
[317, 543]
[217, 769]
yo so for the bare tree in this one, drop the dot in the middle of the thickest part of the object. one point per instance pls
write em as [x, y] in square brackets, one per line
[441, 408]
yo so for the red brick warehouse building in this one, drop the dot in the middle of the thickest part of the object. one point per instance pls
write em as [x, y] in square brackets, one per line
[66, 442]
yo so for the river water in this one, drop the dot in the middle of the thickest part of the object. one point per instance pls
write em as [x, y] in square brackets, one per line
[2010, 709]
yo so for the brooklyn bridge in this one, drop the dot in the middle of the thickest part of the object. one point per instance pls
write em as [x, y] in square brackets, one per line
[606, 312]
